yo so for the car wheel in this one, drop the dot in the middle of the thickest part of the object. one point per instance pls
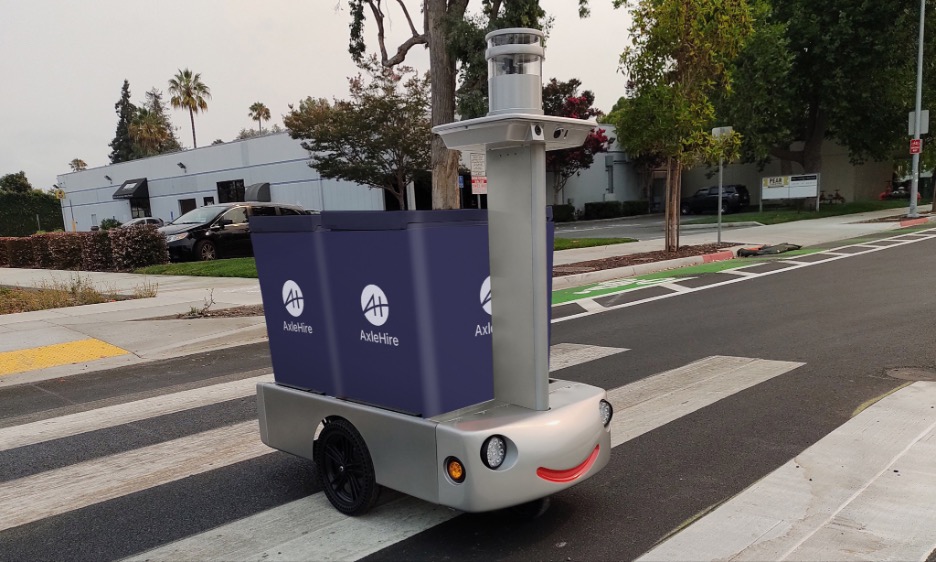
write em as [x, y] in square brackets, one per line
[205, 250]
[345, 468]
[725, 208]
[685, 210]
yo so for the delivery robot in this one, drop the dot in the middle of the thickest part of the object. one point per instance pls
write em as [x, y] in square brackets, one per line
[529, 436]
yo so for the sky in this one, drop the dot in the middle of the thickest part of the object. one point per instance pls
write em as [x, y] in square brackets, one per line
[62, 65]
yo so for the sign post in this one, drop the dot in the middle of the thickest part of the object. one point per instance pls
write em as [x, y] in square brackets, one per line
[719, 132]
[915, 182]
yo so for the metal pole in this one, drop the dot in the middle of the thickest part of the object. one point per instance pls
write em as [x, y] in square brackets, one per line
[914, 182]
[721, 167]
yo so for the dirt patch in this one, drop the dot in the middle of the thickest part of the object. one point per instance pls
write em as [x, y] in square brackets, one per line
[637, 259]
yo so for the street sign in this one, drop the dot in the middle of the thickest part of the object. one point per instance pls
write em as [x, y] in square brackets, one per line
[916, 146]
[478, 185]
[924, 122]
[478, 164]
[719, 132]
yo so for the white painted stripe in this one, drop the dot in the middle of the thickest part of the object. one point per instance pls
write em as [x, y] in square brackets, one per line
[65, 489]
[675, 287]
[564, 355]
[866, 491]
[290, 532]
[119, 414]
[832, 253]
[590, 305]
[307, 529]
[650, 403]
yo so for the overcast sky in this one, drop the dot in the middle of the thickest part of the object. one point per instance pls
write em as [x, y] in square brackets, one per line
[62, 64]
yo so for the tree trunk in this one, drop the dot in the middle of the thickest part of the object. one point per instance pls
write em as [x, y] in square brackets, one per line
[442, 79]
[192, 118]
[671, 210]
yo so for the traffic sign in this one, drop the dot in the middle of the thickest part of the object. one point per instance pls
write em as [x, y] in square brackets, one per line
[916, 146]
[479, 186]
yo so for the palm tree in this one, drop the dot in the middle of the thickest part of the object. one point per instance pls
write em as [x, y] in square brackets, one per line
[77, 165]
[148, 132]
[259, 113]
[189, 92]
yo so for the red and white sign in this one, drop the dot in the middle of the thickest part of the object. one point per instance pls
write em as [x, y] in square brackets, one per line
[479, 186]
[916, 146]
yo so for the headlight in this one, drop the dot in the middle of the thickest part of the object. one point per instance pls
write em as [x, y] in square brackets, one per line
[606, 412]
[176, 237]
[494, 451]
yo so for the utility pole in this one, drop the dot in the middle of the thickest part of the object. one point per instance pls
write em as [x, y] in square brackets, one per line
[915, 181]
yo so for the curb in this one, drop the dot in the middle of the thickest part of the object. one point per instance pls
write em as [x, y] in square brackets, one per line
[579, 279]
[916, 222]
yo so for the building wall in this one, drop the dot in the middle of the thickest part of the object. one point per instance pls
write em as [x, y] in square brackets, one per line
[854, 182]
[276, 159]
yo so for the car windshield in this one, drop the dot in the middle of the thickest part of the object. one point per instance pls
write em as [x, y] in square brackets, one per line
[201, 215]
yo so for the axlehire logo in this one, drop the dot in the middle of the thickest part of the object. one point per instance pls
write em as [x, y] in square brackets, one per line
[293, 299]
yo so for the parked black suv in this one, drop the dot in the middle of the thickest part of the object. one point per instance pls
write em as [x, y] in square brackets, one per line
[734, 198]
[222, 230]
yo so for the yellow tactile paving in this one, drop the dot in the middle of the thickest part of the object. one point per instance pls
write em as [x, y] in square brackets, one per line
[55, 355]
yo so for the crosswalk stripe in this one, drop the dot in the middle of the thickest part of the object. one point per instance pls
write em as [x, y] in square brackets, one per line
[655, 401]
[866, 491]
[65, 489]
[564, 355]
[337, 537]
[112, 416]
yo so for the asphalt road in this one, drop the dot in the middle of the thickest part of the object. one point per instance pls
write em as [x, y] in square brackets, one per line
[643, 227]
[847, 321]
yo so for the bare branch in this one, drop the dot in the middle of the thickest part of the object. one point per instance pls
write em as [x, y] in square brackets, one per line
[403, 49]
[379, 17]
[409, 20]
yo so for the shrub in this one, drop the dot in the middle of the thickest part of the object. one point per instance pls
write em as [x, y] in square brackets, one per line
[42, 254]
[96, 251]
[108, 224]
[137, 246]
[18, 213]
[66, 250]
[20, 251]
[602, 210]
[4, 252]
[631, 208]
[563, 213]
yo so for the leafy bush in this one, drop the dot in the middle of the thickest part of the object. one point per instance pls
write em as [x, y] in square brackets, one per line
[137, 246]
[602, 210]
[563, 213]
[4, 252]
[108, 224]
[631, 208]
[42, 254]
[20, 251]
[18, 213]
[95, 251]
[66, 250]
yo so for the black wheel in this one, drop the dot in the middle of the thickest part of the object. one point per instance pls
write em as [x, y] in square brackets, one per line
[205, 250]
[725, 209]
[345, 468]
[685, 210]
[532, 509]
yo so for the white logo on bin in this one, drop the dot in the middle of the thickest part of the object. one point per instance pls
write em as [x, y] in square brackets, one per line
[293, 299]
[375, 305]
[486, 295]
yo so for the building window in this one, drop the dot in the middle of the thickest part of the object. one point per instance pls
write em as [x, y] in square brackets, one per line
[208, 200]
[186, 205]
[230, 191]
[140, 207]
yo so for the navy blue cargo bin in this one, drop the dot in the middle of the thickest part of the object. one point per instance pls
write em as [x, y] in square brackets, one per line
[390, 309]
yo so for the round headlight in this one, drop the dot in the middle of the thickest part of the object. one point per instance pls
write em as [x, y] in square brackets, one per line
[606, 412]
[494, 451]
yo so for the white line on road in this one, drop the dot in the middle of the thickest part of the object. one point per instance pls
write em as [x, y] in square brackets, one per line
[119, 414]
[866, 491]
[329, 535]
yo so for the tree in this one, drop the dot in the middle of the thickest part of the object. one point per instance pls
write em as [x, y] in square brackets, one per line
[380, 137]
[122, 145]
[679, 54]
[77, 165]
[259, 113]
[148, 132]
[843, 70]
[154, 103]
[189, 92]
[15, 183]
[561, 99]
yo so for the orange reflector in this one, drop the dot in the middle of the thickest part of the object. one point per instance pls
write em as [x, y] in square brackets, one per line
[455, 469]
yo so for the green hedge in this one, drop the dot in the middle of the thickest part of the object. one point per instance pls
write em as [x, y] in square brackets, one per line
[613, 209]
[18, 213]
[563, 213]
[120, 249]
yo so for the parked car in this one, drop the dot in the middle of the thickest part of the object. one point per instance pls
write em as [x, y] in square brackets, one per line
[143, 221]
[216, 231]
[734, 198]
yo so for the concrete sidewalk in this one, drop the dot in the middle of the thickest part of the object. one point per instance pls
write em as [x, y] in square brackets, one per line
[60, 342]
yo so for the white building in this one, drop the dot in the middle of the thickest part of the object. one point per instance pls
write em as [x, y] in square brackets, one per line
[168, 185]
